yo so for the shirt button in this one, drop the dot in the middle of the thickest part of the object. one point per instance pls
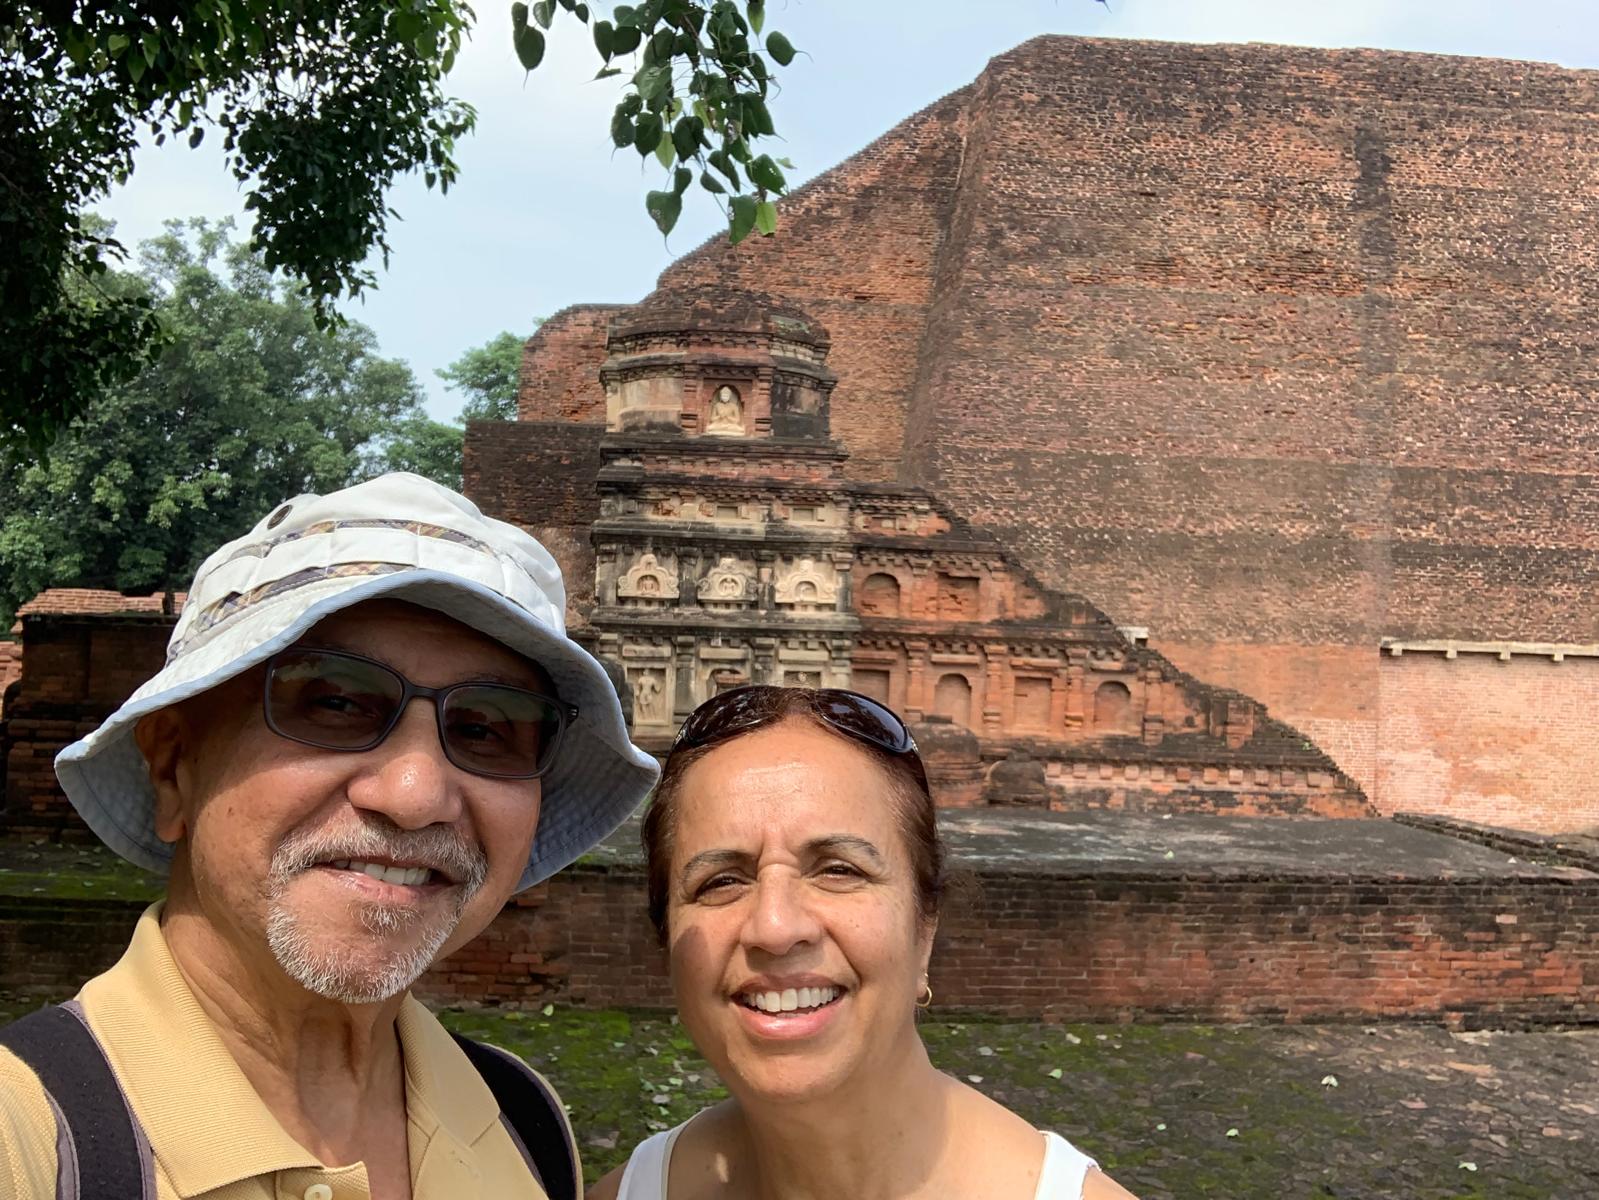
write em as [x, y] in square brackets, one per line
[319, 1191]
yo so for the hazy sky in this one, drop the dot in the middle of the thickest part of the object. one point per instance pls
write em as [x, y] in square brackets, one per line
[545, 215]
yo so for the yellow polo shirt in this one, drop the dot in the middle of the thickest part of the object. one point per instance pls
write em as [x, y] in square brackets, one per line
[210, 1134]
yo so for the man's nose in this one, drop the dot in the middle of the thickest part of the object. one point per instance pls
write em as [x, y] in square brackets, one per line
[781, 916]
[408, 778]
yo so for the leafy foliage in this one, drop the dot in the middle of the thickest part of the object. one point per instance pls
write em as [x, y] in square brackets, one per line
[487, 375]
[319, 104]
[697, 96]
[248, 402]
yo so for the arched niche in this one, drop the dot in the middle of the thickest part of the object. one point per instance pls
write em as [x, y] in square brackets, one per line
[952, 698]
[1113, 708]
[879, 595]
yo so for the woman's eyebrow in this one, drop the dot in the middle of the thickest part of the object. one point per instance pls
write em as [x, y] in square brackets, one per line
[712, 858]
[845, 842]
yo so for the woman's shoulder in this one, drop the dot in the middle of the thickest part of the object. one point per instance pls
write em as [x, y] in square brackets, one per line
[1069, 1173]
[643, 1175]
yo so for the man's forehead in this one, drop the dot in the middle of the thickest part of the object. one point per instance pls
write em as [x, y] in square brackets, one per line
[400, 633]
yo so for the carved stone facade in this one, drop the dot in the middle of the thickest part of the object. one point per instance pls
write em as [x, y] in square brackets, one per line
[730, 548]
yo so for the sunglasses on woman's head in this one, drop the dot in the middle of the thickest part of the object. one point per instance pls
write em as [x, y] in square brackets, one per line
[339, 701]
[850, 713]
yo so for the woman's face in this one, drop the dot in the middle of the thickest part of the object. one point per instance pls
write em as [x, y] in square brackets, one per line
[796, 949]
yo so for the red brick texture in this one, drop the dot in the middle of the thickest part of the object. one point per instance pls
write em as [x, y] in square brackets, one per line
[1501, 743]
[1470, 952]
[1275, 352]
[78, 667]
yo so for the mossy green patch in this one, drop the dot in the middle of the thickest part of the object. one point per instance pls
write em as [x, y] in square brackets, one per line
[53, 872]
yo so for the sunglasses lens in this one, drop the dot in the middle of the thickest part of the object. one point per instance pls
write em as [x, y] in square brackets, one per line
[330, 700]
[502, 731]
[866, 719]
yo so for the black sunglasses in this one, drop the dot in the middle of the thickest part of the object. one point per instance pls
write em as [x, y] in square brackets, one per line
[338, 701]
[851, 713]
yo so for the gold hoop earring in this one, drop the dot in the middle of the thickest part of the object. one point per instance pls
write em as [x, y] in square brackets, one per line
[924, 998]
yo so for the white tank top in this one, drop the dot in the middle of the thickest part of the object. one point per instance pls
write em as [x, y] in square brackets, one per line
[1065, 1168]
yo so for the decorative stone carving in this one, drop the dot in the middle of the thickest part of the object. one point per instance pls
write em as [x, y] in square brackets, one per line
[650, 705]
[647, 583]
[808, 587]
[728, 582]
[727, 413]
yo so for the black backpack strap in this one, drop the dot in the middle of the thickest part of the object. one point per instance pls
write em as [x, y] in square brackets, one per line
[101, 1150]
[532, 1115]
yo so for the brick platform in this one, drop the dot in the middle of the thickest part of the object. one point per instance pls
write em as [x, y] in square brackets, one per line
[1064, 916]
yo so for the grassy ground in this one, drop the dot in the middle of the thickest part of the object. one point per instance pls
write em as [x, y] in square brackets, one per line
[1175, 1111]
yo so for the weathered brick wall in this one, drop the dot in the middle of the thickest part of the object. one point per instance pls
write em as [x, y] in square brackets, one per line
[560, 378]
[76, 670]
[858, 248]
[1501, 743]
[1269, 345]
[1275, 949]
[1512, 743]
[1473, 952]
[540, 475]
[1273, 351]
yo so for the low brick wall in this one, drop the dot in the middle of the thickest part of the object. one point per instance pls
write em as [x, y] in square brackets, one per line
[1135, 946]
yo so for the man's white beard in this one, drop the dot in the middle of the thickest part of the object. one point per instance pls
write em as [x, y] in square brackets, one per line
[330, 972]
[348, 980]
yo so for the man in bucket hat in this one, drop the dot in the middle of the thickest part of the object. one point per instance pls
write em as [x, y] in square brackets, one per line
[370, 731]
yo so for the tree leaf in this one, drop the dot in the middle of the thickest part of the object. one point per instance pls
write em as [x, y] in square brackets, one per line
[622, 132]
[606, 73]
[757, 16]
[518, 16]
[681, 179]
[625, 40]
[741, 218]
[604, 33]
[710, 183]
[625, 16]
[116, 44]
[766, 217]
[529, 43]
[780, 48]
[647, 133]
[686, 137]
[544, 12]
[764, 174]
[665, 153]
[663, 208]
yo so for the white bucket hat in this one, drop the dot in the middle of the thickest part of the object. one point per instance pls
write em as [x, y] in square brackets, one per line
[397, 536]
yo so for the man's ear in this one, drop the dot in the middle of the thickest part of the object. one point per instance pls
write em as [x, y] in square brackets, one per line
[162, 738]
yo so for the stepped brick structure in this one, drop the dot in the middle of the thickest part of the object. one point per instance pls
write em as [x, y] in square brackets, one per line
[1282, 355]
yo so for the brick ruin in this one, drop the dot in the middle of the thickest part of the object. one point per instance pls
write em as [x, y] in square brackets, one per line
[730, 546]
[1282, 355]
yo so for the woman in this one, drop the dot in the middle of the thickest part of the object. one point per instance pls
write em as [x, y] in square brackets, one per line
[794, 876]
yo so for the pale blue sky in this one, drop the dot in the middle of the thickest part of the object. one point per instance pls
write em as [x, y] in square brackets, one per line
[546, 216]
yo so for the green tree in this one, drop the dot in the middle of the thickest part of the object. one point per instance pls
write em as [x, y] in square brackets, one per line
[320, 105]
[487, 376]
[249, 401]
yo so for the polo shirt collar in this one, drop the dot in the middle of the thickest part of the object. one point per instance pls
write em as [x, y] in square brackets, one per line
[206, 1124]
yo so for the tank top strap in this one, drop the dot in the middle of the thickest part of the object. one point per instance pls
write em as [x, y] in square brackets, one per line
[1065, 1169]
[644, 1177]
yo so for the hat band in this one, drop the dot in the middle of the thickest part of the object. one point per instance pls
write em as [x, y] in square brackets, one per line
[209, 619]
[322, 528]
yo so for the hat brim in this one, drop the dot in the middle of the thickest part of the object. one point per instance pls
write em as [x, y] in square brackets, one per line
[598, 778]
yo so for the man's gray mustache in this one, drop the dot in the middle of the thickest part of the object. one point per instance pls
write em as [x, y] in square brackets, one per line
[435, 847]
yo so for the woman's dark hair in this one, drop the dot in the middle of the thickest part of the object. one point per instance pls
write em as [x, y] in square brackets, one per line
[917, 820]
